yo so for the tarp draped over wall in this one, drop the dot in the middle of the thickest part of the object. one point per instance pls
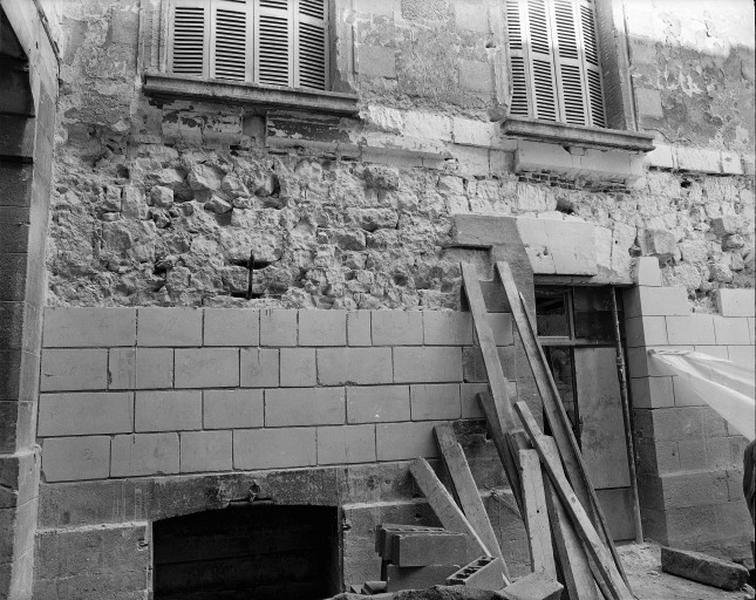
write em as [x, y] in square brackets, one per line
[725, 386]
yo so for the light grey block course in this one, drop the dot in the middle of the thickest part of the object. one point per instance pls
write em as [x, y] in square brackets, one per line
[231, 327]
[278, 327]
[168, 411]
[501, 326]
[77, 458]
[122, 368]
[469, 400]
[304, 406]
[731, 330]
[652, 392]
[442, 328]
[735, 302]
[645, 331]
[274, 448]
[85, 413]
[232, 409]
[154, 368]
[647, 271]
[358, 328]
[435, 401]
[205, 451]
[206, 367]
[259, 367]
[68, 327]
[74, 369]
[362, 366]
[656, 301]
[405, 441]
[144, 454]
[378, 403]
[742, 355]
[693, 329]
[346, 444]
[322, 328]
[169, 326]
[298, 367]
[427, 365]
[718, 351]
[397, 327]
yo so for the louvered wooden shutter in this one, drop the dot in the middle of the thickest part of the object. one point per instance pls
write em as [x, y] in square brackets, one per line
[538, 43]
[592, 65]
[231, 36]
[189, 37]
[311, 44]
[274, 42]
[520, 102]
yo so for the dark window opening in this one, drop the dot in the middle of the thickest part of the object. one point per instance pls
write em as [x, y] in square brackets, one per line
[263, 552]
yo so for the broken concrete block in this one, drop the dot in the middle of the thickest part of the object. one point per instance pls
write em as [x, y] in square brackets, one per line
[535, 586]
[419, 549]
[408, 578]
[383, 533]
[703, 568]
[484, 573]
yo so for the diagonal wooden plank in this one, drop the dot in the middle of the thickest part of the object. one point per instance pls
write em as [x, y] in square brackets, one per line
[442, 503]
[603, 561]
[467, 489]
[554, 410]
[536, 515]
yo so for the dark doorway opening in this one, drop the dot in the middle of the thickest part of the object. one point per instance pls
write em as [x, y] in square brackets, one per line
[250, 553]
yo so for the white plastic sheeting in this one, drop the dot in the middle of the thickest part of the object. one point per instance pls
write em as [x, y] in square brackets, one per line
[722, 384]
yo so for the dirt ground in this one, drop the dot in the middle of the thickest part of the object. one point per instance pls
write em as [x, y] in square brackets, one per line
[643, 566]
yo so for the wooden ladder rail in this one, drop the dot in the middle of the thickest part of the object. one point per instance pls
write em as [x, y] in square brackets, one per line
[554, 410]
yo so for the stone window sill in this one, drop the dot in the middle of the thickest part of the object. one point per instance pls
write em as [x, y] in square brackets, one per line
[574, 135]
[162, 85]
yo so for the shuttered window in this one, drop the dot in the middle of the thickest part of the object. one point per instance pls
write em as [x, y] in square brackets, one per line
[270, 42]
[554, 61]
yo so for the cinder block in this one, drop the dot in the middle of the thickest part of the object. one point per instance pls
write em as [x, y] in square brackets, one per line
[144, 454]
[742, 355]
[71, 459]
[85, 413]
[673, 424]
[231, 327]
[278, 327]
[346, 444]
[378, 403]
[731, 330]
[693, 329]
[304, 406]
[435, 401]
[420, 549]
[484, 573]
[169, 326]
[69, 327]
[416, 578]
[427, 365]
[683, 395]
[274, 448]
[259, 367]
[405, 441]
[322, 328]
[168, 411]
[122, 368]
[397, 328]
[469, 399]
[384, 541]
[647, 271]
[207, 367]
[646, 331]
[361, 366]
[641, 364]
[358, 328]
[703, 568]
[441, 328]
[232, 409]
[205, 451]
[154, 368]
[474, 369]
[735, 302]
[652, 392]
[656, 301]
[298, 367]
[75, 369]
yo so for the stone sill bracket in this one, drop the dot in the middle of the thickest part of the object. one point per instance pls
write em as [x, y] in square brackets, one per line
[574, 135]
[162, 85]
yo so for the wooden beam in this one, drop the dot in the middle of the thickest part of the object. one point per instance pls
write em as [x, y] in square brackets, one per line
[536, 515]
[442, 503]
[467, 489]
[602, 558]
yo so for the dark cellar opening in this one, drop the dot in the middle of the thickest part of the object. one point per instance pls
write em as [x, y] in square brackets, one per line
[262, 552]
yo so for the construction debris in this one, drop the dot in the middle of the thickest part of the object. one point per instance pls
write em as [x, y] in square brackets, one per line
[703, 568]
[535, 586]
[484, 573]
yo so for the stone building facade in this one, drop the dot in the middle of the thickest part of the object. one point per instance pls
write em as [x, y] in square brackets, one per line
[226, 295]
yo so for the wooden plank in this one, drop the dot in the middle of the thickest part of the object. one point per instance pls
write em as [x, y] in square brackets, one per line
[467, 489]
[554, 409]
[572, 557]
[536, 515]
[603, 562]
[443, 505]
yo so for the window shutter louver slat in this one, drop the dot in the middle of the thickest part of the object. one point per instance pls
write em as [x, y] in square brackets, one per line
[312, 55]
[518, 104]
[230, 40]
[273, 40]
[189, 28]
[541, 58]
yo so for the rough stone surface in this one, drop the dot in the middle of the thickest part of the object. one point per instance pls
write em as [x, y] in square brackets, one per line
[701, 567]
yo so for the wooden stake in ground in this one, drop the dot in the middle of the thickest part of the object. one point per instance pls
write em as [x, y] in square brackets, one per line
[443, 505]
[603, 560]
[536, 515]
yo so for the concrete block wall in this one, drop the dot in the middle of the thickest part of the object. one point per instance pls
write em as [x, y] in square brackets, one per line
[689, 460]
[129, 392]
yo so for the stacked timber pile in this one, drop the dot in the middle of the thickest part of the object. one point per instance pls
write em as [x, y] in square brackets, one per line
[567, 532]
